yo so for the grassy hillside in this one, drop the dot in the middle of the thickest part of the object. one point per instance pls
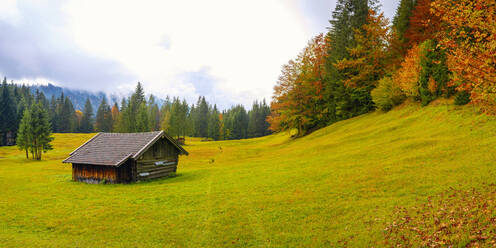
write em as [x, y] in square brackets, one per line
[334, 187]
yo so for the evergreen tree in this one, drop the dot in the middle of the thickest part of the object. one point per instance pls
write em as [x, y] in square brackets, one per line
[65, 115]
[23, 135]
[202, 118]
[138, 96]
[8, 115]
[133, 110]
[87, 119]
[266, 112]
[214, 124]
[401, 19]
[103, 121]
[236, 122]
[254, 116]
[35, 131]
[154, 114]
[190, 119]
[344, 102]
[52, 113]
[142, 119]
[125, 124]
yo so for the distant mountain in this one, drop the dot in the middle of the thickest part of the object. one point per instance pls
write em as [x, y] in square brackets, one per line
[78, 97]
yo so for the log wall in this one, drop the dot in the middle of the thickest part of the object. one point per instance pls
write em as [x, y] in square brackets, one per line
[159, 161]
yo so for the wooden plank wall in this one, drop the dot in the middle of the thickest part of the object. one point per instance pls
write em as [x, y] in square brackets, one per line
[93, 173]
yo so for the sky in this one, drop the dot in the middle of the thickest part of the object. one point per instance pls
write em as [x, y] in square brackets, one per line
[230, 51]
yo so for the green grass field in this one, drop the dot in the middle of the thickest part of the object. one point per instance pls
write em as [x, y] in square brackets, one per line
[334, 187]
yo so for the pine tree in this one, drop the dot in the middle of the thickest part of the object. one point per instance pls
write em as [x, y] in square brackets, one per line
[266, 112]
[236, 122]
[23, 135]
[103, 121]
[342, 102]
[254, 116]
[87, 119]
[35, 134]
[401, 19]
[185, 125]
[121, 125]
[52, 113]
[138, 96]
[133, 110]
[214, 124]
[8, 114]
[202, 118]
[142, 119]
[154, 114]
[65, 115]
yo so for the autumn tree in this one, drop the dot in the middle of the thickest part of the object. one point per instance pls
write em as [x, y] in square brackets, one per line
[407, 76]
[298, 94]
[115, 117]
[423, 23]
[398, 44]
[367, 61]
[468, 34]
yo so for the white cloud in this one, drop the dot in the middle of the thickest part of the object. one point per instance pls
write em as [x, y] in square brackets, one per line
[229, 50]
[9, 11]
[243, 43]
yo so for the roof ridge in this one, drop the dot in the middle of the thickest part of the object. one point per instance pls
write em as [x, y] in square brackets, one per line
[145, 147]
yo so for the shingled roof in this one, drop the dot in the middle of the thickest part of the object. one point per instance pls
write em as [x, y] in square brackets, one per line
[113, 149]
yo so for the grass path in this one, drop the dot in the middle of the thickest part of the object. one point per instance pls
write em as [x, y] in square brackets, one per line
[334, 187]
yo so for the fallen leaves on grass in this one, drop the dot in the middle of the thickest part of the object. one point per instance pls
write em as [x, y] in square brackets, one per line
[462, 218]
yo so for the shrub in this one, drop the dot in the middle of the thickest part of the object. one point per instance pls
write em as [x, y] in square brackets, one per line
[387, 94]
[462, 98]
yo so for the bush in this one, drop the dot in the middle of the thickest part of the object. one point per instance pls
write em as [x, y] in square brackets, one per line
[387, 94]
[462, 98]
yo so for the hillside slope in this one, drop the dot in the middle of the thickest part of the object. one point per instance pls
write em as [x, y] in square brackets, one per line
[335, 186]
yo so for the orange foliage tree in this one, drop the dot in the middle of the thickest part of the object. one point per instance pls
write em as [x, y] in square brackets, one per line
[423, 23]
[407, 76]
[468, 33]
[369, 58]
[299, 89]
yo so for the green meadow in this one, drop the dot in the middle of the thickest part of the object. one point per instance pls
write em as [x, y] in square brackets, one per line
[334, 187]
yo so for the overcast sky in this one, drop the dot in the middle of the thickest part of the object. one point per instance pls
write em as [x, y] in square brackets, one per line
[228, 50]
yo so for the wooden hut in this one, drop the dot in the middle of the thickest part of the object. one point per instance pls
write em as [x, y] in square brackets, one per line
[125, 157]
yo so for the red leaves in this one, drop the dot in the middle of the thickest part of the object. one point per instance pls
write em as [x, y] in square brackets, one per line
[423, 23]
